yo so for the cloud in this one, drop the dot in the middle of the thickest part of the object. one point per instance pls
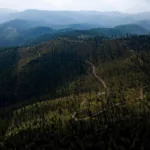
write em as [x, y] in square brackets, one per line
[89, 5]
[59, 3]
[106, 5]
[101, 5]
[27, 4]
[138, 5]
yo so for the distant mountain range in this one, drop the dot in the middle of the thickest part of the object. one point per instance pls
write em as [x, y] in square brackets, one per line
[19, 32]
[22, 24]
[35, 25]
[105, 19]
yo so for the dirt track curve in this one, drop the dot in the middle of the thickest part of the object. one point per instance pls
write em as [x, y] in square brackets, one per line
[110, 107]
[95, 74]
[100, 79]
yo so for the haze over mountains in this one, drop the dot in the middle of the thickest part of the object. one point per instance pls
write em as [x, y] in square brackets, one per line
[18, 28]
[108, 19]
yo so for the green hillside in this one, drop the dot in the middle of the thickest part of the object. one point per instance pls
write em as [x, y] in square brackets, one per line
[76, 93]
[39, 72]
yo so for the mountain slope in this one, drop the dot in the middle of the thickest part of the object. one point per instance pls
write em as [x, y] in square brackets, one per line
[132, 29]
[6, 14]
[20, 32]
[145, 24]
[22, 24]
[82, 26]
[38, 31]
[16, 32]
[46, 69]
[73, 70]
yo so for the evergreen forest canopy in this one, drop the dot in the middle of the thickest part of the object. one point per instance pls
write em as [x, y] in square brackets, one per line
[76, 92]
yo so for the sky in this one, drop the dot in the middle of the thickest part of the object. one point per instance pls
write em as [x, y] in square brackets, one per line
[100, 5]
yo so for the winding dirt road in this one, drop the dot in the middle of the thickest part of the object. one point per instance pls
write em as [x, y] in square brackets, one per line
[110, 107]
[95, 74]
[100, 79]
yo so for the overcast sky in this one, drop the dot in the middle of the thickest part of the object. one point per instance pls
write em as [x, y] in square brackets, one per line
[101, 5]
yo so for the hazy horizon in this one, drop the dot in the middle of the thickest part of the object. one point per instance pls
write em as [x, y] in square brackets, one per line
[125, 6]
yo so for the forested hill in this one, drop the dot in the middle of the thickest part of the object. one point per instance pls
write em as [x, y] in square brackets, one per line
[76, 93]
[45, 71]
[75, 88]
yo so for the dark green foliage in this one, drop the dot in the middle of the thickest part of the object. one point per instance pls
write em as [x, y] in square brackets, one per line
[8, 63]
[44, 71]
[119, 128]
[58, 69]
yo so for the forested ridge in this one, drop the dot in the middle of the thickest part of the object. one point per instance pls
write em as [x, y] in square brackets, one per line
[76, 93]
[26, 32]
